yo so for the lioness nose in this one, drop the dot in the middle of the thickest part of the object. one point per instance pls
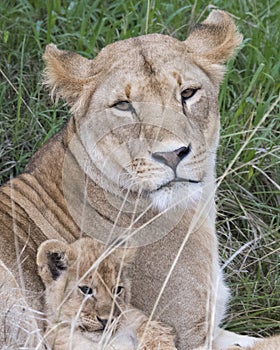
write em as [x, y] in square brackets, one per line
[173, 158]
[102, 321]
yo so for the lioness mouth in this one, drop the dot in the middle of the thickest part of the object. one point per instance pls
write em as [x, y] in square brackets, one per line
[180, 179]
[176, 179]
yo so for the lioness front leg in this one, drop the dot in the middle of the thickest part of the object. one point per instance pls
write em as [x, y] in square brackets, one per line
[158, 336]
[271, 343]
[63, 338]
[151, 335]
[67, 339]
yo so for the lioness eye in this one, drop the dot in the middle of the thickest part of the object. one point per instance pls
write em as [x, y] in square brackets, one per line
[86, 290]
[123, 106]
[188, 93]
[118, 290]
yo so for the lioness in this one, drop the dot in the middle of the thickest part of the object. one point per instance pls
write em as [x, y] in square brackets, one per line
[87, 299]
[136, 159]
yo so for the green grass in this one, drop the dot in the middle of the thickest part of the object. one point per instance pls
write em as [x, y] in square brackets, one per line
[248, 158]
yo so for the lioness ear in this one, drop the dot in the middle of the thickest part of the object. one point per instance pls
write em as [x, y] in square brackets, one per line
[215, 39]
[52, 259]
[66, 74]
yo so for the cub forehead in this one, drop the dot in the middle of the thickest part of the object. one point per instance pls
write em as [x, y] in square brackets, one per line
[88, 255]
[87, 252]
[86, 249]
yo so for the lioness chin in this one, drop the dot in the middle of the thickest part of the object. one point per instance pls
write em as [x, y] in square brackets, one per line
[136, 160]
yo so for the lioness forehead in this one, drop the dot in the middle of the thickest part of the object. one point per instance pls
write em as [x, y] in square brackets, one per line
[147, 67]
[155, 45]
[147, 53]
[151, 56]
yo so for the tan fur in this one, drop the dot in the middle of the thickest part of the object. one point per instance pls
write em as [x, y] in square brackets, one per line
[72, 318]
[103, 161]
[272, 343]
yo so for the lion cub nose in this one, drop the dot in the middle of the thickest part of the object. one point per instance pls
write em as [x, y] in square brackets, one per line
[173, 158]
[103, 321]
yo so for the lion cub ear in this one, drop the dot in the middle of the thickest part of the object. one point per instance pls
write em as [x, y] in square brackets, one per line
[66, 74]
[52, 259]
[215, 39]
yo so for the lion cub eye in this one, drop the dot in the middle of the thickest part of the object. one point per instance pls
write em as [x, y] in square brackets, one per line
[123, 106]
[188, 93]
[118, 290]
[85, 290]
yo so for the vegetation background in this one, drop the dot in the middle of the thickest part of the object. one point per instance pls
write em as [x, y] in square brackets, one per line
[248, 195]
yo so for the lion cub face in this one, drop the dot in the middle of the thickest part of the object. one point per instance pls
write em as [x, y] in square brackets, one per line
[81, 286]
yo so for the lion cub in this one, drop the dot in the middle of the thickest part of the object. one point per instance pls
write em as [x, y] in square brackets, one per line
[87, 300]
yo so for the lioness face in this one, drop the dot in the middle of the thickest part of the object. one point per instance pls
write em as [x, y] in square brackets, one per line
[152, 123]
[148, 112]
[81, 289]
